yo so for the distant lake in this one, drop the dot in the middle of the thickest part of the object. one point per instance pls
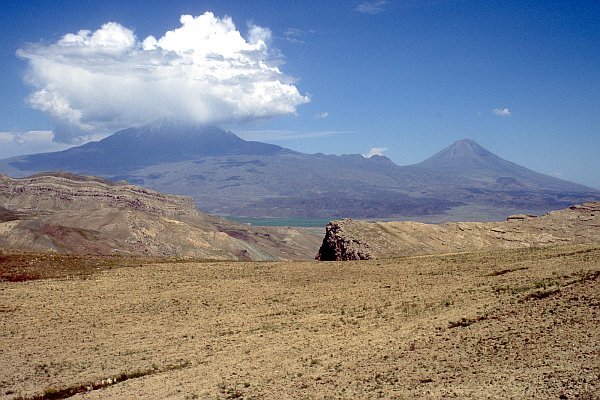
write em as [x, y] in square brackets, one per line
[294, 222]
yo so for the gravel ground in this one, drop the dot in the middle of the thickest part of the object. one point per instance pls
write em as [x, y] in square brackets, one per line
[498, 325]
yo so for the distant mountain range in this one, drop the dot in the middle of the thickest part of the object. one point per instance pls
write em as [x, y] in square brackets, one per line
[227, 175]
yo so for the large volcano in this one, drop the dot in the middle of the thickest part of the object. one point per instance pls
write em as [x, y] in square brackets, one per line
[162, 141]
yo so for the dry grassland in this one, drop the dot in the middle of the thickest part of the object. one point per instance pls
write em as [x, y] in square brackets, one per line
[505, 324]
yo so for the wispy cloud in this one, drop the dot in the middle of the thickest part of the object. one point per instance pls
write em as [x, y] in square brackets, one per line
[204, 71]
[371, 7]
[294, 35]
[276, 135]
[322, 115]
[20, 143]
[501, 112]
[375, 151]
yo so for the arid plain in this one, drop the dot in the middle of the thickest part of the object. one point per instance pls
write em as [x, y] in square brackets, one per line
[499, 324]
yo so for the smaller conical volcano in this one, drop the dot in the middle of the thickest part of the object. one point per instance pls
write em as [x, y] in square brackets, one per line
[466, 160]
[463, 152]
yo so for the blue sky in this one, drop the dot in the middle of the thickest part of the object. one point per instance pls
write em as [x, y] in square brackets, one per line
[402, 78]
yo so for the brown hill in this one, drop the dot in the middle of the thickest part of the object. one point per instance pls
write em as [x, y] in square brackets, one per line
[348, 239]
[74, 214]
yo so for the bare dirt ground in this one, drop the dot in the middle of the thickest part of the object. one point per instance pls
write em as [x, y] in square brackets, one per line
[504, 324]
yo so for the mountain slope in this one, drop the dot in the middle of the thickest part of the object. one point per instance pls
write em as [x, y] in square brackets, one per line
[159, 142]
[227, 175]
[465, 155]
[468, 160]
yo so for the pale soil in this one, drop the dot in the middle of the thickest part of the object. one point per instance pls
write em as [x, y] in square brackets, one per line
[507, 324]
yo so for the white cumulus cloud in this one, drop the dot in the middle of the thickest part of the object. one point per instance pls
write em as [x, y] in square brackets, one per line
[502, 112]
[204, 71]
[376, 151]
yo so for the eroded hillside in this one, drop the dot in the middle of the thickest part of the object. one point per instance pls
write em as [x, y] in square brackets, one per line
[86, 215]
[358, 240]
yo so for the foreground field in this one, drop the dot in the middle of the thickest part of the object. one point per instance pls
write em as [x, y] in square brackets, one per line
[505, 324]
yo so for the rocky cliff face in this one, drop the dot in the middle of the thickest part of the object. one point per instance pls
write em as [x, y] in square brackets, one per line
[75, 214]
[338, 246]
[57, 192]
[358, 240]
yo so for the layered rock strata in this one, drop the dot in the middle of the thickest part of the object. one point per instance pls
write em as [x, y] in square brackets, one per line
[66, 191]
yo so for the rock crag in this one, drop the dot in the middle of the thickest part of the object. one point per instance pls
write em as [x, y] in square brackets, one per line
[359, 240]
[338, 246]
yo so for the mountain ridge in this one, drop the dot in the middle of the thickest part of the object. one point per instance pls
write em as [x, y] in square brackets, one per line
[137, 147]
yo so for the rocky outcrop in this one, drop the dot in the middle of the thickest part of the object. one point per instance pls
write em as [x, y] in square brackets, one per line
[75, 214]
[358, 240]
[337, 246]
[60, 191]
[591, 207]
[520, 217]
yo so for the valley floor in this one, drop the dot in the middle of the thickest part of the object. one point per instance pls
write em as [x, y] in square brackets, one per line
[504, 324]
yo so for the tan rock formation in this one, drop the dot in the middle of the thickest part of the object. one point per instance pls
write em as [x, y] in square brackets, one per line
[357, 240]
